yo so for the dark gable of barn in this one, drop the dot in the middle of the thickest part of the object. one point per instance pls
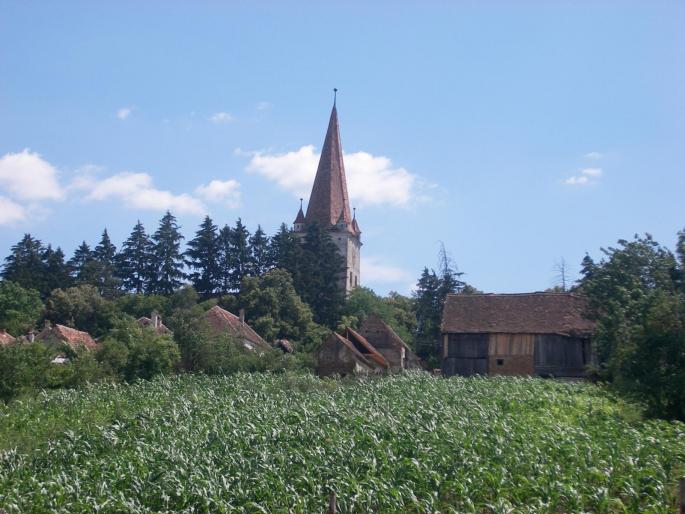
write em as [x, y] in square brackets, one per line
[516, 334]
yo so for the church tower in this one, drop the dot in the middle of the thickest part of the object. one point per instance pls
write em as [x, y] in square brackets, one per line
[329, 206]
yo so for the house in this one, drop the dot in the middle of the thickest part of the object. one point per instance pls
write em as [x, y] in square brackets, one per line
[516, 334]
[384, 339]
[5, 338]
[344, 355]
[60, 334]
[155, 323]
[223, 322]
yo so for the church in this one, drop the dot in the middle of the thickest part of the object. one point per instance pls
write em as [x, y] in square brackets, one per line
[329, 206]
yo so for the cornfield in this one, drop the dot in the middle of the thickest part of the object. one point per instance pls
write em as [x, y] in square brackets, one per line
[281, 443]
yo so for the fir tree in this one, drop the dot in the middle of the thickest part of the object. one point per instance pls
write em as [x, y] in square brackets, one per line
[240, 256]
[223, 262]
[134, 261]
[24, 265]
[167, 259]
[285, 252]
[77, 264]
[428, 313]
[202, 256]
[321, 270]
[259, 246]
[56, 271]
[103, 267]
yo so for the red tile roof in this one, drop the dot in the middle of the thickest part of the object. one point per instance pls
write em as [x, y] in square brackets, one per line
[223, 321]
[5, 338]
[68, 335]
[529, 313]
[147, 322]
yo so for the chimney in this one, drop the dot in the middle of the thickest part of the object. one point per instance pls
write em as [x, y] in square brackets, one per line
[31, 336]
[242, 316]
[155, 320]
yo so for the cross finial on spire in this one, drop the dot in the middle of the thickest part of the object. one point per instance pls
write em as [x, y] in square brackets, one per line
[301, 200]
[354, 213]
[335, 95]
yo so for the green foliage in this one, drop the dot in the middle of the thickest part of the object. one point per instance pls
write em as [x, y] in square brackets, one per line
[138, 305]
[275, 310]
[638, 300]
[396, 310]
[134, 262]
[320, 269]
[279, 443]
[81, 307]
[19, 308]
[167, 259]
[260, 253]
[24, 265]
[144, 352]
[202, 256]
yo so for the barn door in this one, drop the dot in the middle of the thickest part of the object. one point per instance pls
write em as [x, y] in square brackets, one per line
[467, 354]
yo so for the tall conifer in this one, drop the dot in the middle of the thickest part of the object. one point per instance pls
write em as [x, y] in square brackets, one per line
[240, 256]
[25, 264]
[259, 246]
[167, 257]
[134, 261]
[202, 256]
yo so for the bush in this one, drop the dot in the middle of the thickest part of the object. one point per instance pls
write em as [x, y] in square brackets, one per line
[19, 308]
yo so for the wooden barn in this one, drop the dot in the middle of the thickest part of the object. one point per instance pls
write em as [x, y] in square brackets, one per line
[221, 321]
[344, 355]
[541, 334]
[389, 344]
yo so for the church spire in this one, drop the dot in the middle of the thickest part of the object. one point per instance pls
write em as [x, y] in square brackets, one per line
[329, 203]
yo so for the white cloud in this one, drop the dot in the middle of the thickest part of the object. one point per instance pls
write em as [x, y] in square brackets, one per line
[593, 156]
[226, 191]
[585, 177]
[124, 112]
[372, 180]
[27, 176]
[10, 212]
[221, 117]
[137, 191]
[375, 270]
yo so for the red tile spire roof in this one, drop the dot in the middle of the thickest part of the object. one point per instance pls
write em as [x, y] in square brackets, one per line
[329, 203]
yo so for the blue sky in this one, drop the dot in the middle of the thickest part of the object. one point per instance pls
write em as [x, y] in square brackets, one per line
[515, 135]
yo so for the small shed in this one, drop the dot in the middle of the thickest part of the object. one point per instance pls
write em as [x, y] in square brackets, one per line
[541, 334]
[5, 338]
[338, 355]
[223, 322]
[389, 344]
[62, 334]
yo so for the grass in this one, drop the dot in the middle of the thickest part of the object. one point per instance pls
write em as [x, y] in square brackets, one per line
[279, 443]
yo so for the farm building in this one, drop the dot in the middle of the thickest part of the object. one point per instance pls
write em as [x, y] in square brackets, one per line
[516, 334]
[61, 334]
[223, 322]
[389, 344]
[343, 355]
[5, 338]
[155, 323]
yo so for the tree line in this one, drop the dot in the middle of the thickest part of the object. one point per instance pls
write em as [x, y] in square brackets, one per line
[215, 262]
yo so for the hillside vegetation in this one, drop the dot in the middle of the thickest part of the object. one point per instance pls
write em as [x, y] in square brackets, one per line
[273, 443]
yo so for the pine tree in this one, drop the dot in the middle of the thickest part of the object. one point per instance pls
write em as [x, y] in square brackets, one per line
[240, 257]
[223, 262]
[56, 271]
[134, 260]
[167, 258]
[285, 252]
[428, 313]
[104, 267]
[202, 255]
[259, 246]
[24, 265]
[320, 271]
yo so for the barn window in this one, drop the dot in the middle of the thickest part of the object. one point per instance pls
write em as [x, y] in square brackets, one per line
[500, 362]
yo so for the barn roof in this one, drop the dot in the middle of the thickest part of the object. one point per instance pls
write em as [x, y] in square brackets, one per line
[334, 337]
[530, 313]
[68, 335]
[5, 338]
[366, 348]
[223, 321]
[373, 323]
